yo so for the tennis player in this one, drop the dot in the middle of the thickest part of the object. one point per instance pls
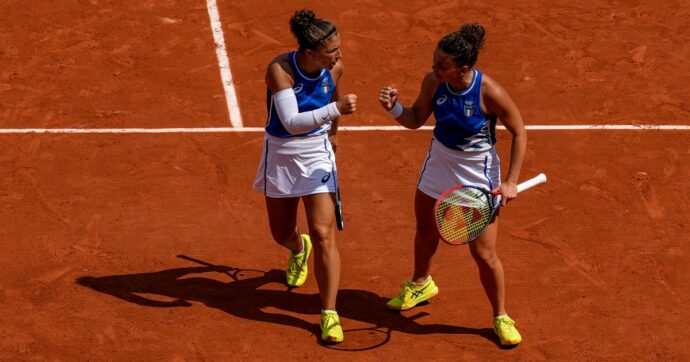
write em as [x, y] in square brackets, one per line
[466, 105]
[298, 159]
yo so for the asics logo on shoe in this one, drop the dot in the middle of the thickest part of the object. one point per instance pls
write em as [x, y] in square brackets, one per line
[419, 292]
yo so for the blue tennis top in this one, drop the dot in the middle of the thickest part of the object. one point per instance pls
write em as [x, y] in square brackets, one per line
[460, 123]
[311, 93]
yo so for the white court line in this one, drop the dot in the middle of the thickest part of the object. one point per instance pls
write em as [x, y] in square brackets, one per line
[594, 127]
[224, 64]
[539, 127]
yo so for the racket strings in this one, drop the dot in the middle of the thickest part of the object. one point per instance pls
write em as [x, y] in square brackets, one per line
[463, 214]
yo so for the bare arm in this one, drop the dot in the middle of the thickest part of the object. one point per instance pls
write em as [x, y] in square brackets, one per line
[498, 102]
[278, 74]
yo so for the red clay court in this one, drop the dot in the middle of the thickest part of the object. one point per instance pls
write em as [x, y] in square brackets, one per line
[130, 231]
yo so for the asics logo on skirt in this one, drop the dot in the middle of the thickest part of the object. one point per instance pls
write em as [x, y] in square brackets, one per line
[326, 177]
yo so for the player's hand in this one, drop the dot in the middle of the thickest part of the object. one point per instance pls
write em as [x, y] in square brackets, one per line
[347, 104]
[388, 97]
[508, 192]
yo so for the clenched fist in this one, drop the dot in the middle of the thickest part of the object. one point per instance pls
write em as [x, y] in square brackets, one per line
[347, 104]
[388, 96]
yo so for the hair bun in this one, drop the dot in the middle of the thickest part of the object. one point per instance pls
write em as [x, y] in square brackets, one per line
[474, 33]
[311, 32]
[301, 20]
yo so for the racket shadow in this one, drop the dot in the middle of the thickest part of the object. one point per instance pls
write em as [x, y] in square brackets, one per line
[180, 287]
[244, 297]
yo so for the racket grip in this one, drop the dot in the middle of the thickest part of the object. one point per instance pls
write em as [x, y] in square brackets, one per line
[534, 181]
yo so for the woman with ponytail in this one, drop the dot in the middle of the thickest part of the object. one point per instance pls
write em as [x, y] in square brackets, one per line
[466, 105]
[298, 158]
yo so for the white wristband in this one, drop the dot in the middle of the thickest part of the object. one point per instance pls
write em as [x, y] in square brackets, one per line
[396, 111]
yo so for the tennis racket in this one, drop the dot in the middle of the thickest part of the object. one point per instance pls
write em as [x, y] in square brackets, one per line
[463, 212]
[338, 210]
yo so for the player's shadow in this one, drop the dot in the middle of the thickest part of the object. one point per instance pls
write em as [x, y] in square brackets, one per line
[243, 297]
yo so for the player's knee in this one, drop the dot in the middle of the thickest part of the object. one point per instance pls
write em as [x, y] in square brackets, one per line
[321, 235]
[486, 257]
[283, 237]
[427, 229]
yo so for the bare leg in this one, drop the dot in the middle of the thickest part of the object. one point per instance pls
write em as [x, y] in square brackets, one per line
[282, 219]
[426, 237]
[490, 268]
[321, 219]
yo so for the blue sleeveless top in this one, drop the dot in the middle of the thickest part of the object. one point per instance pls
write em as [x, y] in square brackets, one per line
[311, 93]
[460, 123]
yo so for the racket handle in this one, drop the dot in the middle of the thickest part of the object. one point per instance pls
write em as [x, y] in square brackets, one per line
[534, 181]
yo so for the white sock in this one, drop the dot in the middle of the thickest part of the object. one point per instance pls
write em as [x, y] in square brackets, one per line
[425, 280]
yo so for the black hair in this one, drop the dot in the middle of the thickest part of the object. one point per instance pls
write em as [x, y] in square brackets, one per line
[464, 44]
[311, 32]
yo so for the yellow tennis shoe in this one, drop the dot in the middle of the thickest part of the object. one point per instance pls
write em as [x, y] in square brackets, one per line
[413, 294]
[504, 327]
[297, 269]
[331, 331]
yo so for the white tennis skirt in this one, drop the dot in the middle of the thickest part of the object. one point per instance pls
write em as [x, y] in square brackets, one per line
[293, 167]
[445, 168]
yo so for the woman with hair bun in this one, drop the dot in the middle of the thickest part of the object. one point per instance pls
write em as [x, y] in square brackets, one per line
[298, 158]
[466, 105]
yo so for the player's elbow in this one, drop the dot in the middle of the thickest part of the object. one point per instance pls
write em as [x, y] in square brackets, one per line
[417, 125]
[520, 133]
[412, 123]
[293, 127]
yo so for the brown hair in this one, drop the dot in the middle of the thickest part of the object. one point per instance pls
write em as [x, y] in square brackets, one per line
[464, 44]
[311, 32]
